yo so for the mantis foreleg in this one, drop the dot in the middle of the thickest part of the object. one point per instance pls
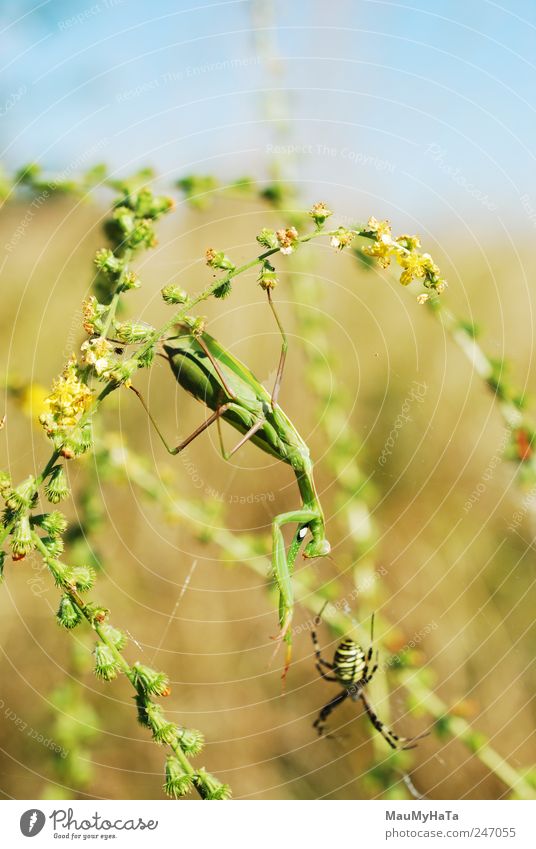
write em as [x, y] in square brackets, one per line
[283, 565]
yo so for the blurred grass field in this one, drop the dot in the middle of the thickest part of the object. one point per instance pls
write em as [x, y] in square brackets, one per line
[459, 569]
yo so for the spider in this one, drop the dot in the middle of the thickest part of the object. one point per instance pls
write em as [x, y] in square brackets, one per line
[351, 668]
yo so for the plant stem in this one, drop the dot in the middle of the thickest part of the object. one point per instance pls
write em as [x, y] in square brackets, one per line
[56, 567]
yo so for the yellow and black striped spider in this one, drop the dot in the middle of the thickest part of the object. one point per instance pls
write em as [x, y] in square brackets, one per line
[351, 668]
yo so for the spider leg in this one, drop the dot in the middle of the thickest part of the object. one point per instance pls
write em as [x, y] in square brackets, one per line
[320, 722]
[324, 675]
[368, 676]
[371, 647]
[320, 662]
[389, 736]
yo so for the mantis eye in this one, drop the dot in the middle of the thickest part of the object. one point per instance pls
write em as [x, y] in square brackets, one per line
[303, 532]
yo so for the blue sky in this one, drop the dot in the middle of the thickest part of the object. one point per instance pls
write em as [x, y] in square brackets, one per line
[426, 107]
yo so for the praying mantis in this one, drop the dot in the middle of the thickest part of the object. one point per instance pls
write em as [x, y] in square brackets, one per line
[210, 373]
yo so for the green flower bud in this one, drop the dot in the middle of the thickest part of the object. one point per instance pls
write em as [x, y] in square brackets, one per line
[58, 571]
[56, 488]
[73, 441]
[191, 741]
[53, 523]
[23, 496]
[210, 786]
[130, 333]
[68, 614]
[81, 577]
[223, 290]
[21, 538]
[164, 732]
[142, 705]
[142, 234]
[124, 219]
[217, 259]
[105, 663]
[174, 295]
[152, 206]
[268, 239]
[130, 281]
[97, 615]
[53, 545]
[195, 325]
[145, 358]
[150, 681]
[118, 638]
[178, 782]
[107, 262]
[122, 372]
[268, 276]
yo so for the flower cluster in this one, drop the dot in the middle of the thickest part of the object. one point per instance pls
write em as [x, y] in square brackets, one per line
[98, 354]
[70, 399]
[416, 265]
[179, 782]
[92, 314]
[23, 524]
[217, 259]
[287, 239]
[320, 213]
[129, 228]
[342, 238]
[284, 240]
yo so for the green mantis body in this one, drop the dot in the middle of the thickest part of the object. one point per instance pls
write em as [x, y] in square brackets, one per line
[225, 385]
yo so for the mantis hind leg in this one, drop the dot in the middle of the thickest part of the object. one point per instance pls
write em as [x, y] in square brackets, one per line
[182, 445]
[251, 432]
[283, 354]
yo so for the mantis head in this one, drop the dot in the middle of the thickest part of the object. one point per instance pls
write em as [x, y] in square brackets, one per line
[317, 548]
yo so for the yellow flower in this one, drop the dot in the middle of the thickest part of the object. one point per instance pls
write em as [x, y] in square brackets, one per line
[413, 267]
[409, 242]
[416, 265]
[89, 313]
[383, 247]
[97, 353]
[69, 399]
[320, 212]
[381, 250]
[341, 238]
[380, 228]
